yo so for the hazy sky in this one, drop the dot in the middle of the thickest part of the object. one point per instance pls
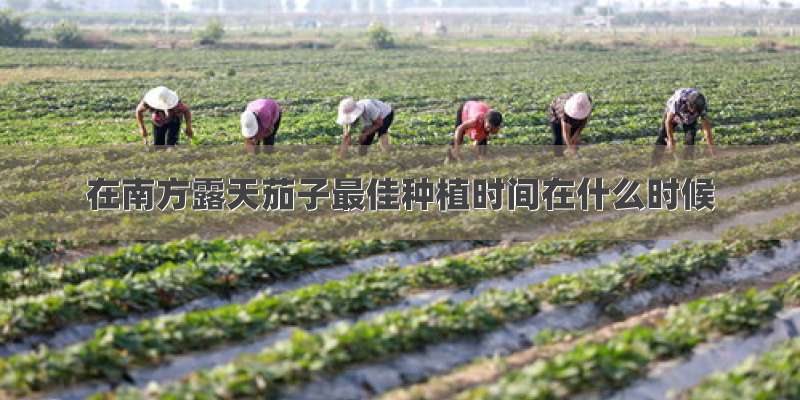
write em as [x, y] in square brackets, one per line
[630, 3]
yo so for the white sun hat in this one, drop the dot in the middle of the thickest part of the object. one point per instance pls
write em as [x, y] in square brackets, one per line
[349, 111]
[249, 124]
[578, 106]
[161, 98]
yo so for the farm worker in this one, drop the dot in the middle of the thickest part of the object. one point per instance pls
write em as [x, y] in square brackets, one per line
[684, 108]
[479, 121]
[569, 113]
[260, 122]
[167, 110]
[376, 119]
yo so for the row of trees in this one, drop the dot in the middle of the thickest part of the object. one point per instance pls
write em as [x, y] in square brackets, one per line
[68, 34]
[279, 5]
[25, 5]
[13, 31]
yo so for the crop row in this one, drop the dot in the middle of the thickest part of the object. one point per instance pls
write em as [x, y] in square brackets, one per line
[601, 367]
[30, 197]
[295, 162]
[727, 172]
[136, 258]
[25, 169]
[430, 225]
[435, 225]
[785, 227]
[174, 284]
[305, 354]
[478, 224]
[115, 349]
[665, 223]
[418, 84]
[781, 160]
[140, 258]
[773, 375]
[18, 254]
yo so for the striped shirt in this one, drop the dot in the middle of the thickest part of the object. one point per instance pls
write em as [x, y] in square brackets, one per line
[678, 104]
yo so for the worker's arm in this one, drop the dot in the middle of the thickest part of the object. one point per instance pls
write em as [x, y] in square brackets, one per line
[377, 124]
[269, 131]
[708, 134]
[189, 130]
[571, 143]
[670, 130]
[250, 145]
[140, 110]
[345, 140]
[459, 136]
[565, 129]
[576, 138]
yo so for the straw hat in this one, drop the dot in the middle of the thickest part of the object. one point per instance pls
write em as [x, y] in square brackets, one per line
[578, 106]
[249, 124]
[161, 98]
[349, 111]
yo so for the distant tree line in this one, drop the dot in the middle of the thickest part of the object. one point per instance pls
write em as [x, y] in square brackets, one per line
[13, 32]
[233, 5]
[379, 5]
[709, 18]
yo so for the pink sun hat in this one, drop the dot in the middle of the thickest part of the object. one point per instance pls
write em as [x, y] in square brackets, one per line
[578, 106]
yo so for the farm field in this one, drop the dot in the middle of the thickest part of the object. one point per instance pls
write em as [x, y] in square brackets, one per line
[699, 304]
[749, 180]
[398, 319]
[80, 97]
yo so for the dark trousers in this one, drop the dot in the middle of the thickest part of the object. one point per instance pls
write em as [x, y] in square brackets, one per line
[167, 134]
[270, 141]
[558, 137]
[366, 140]
[689, 136]
[690, 133]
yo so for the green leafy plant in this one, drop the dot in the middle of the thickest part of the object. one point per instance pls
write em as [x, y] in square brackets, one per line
[68, 34]
[610, 365]
[212, 33]
[379, 37]
[173, 284]
[12, 32]
[297, 359]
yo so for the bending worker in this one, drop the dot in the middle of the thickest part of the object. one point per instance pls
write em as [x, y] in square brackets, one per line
[167, 112]
[376, 118]
[260, 123]
[477, 120]
[683, 109]
[569, 113]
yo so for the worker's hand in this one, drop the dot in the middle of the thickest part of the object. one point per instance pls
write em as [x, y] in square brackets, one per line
[455, 154]
[670, 145]
[572, 151]
[711, 151]
[144, 139]
[189, 132]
